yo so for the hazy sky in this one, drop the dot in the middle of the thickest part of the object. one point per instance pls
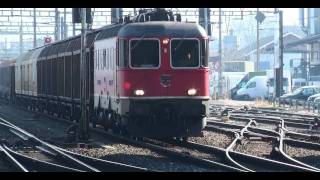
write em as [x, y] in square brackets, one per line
[290, 16]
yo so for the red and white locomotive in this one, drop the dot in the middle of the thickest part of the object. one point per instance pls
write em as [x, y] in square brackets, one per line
[147, 76]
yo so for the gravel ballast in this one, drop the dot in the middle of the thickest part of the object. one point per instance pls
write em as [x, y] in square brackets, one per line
[308, 156]
[137, 157]
[50, 129]
[211, 138]
[255, 147]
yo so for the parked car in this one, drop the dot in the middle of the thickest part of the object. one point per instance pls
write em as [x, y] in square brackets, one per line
[302, 93]
[298, 82]
[256, 87]
[313, 97]
[317, 100]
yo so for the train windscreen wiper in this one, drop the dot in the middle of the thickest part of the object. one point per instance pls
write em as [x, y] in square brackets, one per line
[142, 37]
[181, 41]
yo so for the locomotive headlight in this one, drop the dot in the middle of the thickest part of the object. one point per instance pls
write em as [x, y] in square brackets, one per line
[192, 92]
[139, 92]
[165, 41]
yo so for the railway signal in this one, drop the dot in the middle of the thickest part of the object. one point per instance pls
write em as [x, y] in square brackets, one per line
[260, 17]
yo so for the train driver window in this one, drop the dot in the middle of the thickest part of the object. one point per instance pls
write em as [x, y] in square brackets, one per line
[123, 53]
[98, 59]
[112, 58]
[104, 58]
[108, 58]
[101, 60]
[185, 53]
[95, 59]
[204, 52]
[145, 53]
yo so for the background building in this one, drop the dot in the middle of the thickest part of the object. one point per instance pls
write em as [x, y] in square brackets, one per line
[310, 23]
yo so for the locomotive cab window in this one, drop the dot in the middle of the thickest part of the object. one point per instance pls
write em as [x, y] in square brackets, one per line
[144, 53]
[185, 53]
[123, 53]
[104, 58]
[204, 52]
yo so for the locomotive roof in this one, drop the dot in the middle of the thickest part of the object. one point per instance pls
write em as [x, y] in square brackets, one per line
[136, 29]
[162, 28]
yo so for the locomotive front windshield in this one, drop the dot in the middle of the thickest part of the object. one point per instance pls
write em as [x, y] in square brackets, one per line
[144, 53]
[185, 53]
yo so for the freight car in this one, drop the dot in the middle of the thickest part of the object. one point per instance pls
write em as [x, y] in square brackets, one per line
[7, 77]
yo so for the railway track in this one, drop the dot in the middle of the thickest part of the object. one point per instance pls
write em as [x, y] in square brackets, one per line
[276, 150]
[221, 158]
[175, 156]
[71, 161]
[174, 152]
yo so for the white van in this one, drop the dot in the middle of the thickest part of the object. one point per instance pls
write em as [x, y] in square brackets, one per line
[256, 87]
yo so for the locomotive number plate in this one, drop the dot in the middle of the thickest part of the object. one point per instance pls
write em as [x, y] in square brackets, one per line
[165, 80]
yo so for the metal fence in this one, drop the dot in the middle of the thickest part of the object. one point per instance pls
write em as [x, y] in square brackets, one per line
[296, 104]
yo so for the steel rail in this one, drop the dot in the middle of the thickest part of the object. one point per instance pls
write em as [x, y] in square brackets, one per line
[105, 165]
[281, 140]
[238, 136]
[12, 160]
[262, 121]
[262, 133]
[202, 162]
[40, 165]
[172, 153]
[272, 120]
[289, 114]
[61, 154]
[281, 147]
[271, 164]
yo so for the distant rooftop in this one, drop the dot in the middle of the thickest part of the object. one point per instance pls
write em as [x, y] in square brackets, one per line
[290, 34]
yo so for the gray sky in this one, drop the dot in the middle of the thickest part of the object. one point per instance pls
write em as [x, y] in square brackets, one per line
[290, 16]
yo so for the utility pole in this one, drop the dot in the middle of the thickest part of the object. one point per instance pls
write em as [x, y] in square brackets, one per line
[205, 19]
[220, 56]
[65, 29]
[62, 28]
[280, 52]
[21, 38]
[20, 35]
[84, 123]
[279, 67]
[34, 28]
[73, 29]
[258, 55]
[134, 11]
[57, 24]
[6, 48]
[116, 14]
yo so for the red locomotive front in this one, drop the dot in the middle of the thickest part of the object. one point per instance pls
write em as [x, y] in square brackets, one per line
[162, 80]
